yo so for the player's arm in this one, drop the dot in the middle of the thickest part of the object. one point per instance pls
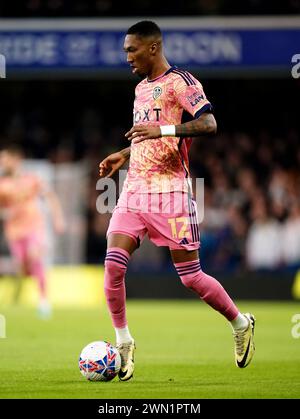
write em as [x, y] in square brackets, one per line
[204, 125]
[113, 162]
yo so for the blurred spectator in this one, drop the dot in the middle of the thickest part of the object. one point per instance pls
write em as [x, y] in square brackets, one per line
[290, 240]
[263, 244]
[96, 242]
[232, 242]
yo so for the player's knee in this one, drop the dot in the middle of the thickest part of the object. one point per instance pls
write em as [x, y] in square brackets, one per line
[115, 268]
[189, 274]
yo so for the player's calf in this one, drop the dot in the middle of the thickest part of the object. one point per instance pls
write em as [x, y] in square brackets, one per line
[114, 284]
[207, 288]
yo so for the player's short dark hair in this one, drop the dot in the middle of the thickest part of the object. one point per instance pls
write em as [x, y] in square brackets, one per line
[145, 28]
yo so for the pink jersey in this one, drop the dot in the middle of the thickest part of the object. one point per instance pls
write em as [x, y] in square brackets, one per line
[161, 165]
[18, 200]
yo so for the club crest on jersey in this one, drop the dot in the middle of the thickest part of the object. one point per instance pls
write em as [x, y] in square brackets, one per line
[157, 91]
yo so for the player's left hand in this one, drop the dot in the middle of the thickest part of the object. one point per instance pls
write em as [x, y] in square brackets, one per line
[140, 133]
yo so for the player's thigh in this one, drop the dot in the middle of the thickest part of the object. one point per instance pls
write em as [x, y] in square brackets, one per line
[183, 255]
[122, 241]
[18, 252]
[35, 249]
[126, 230]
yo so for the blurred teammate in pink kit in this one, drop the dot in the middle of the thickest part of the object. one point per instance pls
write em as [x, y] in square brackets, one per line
[170, 108]
[24, 223]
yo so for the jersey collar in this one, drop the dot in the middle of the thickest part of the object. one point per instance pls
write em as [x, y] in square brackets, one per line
[162, 75]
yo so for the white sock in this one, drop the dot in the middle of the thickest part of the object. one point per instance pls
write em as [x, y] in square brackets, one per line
[240, 322]
[123, 335]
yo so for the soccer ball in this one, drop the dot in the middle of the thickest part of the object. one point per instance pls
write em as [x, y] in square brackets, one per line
[99, 361]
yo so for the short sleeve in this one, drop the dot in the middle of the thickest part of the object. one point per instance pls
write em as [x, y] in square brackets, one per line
[190, 95]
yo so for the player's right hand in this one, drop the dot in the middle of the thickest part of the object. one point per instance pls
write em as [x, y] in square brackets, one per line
[111, 164]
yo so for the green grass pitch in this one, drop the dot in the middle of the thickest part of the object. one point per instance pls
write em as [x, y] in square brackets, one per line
[184, 350]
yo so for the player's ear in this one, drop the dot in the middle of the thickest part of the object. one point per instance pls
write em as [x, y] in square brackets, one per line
[153, 48]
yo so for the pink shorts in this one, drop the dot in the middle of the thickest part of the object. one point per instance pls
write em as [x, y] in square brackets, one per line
[24, 247]
[170, 219]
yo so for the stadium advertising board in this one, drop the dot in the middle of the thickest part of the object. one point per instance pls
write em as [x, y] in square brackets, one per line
[218, 45]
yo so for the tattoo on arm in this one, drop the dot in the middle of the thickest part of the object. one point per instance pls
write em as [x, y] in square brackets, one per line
[125, 152]
[204, 125]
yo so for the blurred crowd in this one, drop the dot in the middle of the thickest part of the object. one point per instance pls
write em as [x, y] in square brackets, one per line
[98, 8]
[252, 200]
[251, 176]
